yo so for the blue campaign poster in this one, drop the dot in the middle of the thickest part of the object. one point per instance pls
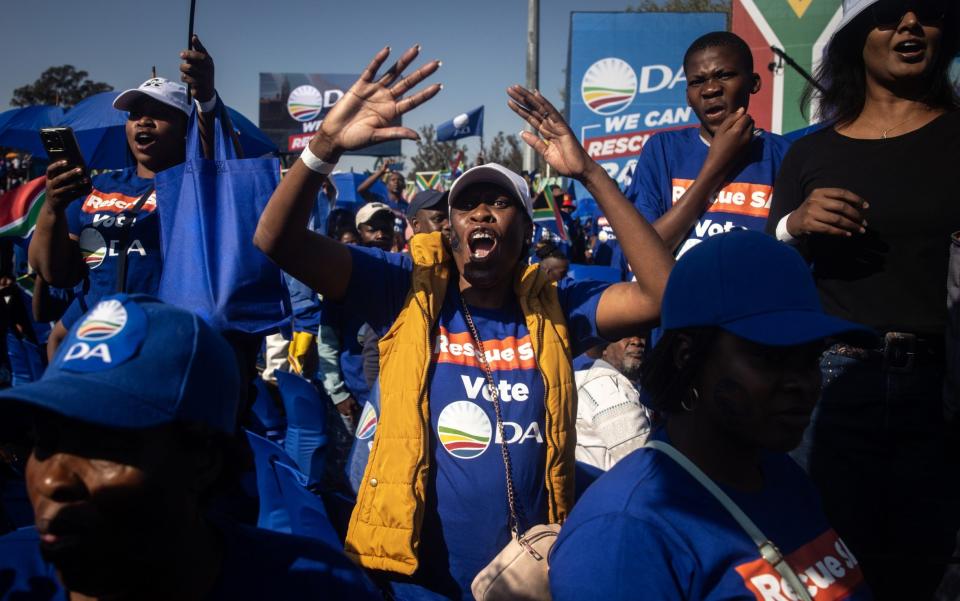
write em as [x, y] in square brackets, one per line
[625, 81]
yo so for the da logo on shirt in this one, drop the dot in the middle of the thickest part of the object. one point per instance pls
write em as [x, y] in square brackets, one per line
[109, 335]
[368, 422]
[93, 248]
[609, 86]
[464, 429]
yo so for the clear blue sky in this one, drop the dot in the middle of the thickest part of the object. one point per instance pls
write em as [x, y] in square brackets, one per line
[481, 44]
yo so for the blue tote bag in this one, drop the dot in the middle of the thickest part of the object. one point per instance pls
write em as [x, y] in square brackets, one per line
[208, 213]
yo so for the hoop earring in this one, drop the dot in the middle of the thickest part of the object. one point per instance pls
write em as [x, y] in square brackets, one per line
[694, 396]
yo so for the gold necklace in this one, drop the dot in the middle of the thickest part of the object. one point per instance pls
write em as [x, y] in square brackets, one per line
[884, 132]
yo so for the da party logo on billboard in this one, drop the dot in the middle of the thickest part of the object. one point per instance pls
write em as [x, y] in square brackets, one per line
[292, 106]
[305, 103]
[626, 81]
[609, 86]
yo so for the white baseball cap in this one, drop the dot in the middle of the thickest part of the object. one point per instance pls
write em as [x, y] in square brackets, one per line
[171, 93]
[852, 10]
[493, 173]
[370, 209]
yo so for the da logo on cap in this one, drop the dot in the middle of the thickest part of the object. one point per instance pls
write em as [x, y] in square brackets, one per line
[108, 336]
[104, 321]
[608, 86]
[305, 103]
[93, 248]
[368, 422]
[464, 429]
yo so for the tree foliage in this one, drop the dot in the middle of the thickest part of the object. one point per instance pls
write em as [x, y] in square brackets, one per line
[681, 6]
[685, 6]
[506, 150]
[432, 155]
[63, 85]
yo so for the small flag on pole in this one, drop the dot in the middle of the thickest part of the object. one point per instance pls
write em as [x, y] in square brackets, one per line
[462, 126]
[550, 215]
[20, 206]
[458, 166]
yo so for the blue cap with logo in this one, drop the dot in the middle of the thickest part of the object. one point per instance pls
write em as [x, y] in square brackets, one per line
[752, 286]
[135, 362]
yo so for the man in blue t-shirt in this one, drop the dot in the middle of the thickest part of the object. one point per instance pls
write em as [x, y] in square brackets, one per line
[134, 427]
[694, 183]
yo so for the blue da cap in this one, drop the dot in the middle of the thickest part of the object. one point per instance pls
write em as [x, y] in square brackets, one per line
[752, 286]
[135, 362]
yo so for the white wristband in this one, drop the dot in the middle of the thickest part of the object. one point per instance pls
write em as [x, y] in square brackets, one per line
[782, 234]
[315, 163]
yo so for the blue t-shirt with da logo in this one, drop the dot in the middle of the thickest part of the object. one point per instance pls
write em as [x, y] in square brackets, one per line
[96, 222]
[647, 529]
[466, 520]
[672, 160]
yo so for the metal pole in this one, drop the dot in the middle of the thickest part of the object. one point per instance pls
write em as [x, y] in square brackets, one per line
[796, 67]
[533, 67]
[193, 12]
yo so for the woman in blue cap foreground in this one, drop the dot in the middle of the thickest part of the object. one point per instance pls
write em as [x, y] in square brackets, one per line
[737, 377]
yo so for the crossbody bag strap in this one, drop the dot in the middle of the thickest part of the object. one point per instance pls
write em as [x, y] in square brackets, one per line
[124, 242]
[768, 551]
[515, 511]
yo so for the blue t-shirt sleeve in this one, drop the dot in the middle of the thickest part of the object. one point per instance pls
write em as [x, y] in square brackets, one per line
[579, 301]
[378, 287]
[646, 189]
[615, 557]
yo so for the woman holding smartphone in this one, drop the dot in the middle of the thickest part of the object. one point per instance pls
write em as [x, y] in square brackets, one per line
[86, 223]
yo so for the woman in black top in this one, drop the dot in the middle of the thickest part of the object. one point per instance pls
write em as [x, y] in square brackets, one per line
[871, 201]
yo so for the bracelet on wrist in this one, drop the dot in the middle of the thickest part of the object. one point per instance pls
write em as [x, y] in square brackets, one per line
[315, 163]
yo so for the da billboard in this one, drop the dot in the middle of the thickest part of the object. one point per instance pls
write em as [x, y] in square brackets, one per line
[625, 81]
[292, 106]
[802, 29]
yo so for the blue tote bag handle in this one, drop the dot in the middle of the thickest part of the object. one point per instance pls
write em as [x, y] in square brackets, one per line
[224, 148]
[209, 209]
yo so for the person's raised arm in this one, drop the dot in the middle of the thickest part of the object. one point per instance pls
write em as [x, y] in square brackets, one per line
[197, 71]
[360, 119]
[52, 252]
[729, 144]
[365, 185]
[624, 308]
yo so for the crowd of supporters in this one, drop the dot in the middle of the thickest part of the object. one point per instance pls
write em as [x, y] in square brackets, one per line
[736, 379]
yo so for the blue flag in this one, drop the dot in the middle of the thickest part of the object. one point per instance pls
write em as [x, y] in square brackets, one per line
[461, 126]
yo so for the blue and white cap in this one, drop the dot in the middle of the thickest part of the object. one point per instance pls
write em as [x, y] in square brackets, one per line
[135, 362]
[172, 93]
[851, 10]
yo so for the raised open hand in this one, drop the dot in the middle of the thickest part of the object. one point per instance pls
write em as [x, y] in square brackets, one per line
[363, 116]
[556, 142]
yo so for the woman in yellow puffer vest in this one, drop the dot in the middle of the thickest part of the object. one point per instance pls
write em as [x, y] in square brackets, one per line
[476, 346]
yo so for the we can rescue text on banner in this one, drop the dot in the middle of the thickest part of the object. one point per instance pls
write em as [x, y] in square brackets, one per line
[626, 82]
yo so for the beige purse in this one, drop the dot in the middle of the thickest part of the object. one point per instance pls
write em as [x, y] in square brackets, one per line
[519, 571]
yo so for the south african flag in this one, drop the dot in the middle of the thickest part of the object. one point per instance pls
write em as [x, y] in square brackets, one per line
[551, 213]
[20, 206]
[429, 180]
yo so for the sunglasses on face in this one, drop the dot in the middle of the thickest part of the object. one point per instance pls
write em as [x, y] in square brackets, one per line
[889, 13]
